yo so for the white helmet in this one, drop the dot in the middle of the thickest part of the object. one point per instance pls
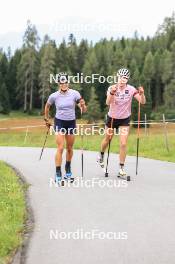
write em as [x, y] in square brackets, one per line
[123, 73]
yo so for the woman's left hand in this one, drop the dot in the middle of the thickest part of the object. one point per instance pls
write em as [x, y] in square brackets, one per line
[141, 90]
[82, 103]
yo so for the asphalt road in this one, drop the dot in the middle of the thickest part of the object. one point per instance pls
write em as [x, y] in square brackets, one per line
[100, 220]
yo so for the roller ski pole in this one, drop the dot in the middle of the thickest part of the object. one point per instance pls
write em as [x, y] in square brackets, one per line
[109, 146]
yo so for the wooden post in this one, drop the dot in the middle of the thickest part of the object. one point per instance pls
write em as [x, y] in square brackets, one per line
[165, 133]
[27, 130]
[145, 125]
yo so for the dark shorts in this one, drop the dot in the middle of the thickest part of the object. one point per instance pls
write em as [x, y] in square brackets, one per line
[64, 126]
[117, 122]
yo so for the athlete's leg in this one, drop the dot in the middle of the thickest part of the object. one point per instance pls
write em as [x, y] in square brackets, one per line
[69, 153]
[108, 136]
[58, 156]
[124, 132]
[69, 146]
[60, 147]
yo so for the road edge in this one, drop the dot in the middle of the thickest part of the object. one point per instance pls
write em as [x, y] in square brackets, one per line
[19, 256]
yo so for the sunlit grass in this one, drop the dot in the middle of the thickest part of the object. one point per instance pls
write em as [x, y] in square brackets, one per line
[151, 146]
[12, 212]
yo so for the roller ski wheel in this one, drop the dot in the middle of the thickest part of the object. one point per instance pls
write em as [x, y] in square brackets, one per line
[124, 177]
[122, 174]
[68, 177]
[106, 174]
[58, 179]
[100, 161]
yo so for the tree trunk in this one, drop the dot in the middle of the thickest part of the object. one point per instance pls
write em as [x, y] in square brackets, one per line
[42, 101]
[31, 96]
[31, 88]
[25, 97]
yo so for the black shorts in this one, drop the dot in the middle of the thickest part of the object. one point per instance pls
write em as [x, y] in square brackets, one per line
[64, 126]
[117, 122]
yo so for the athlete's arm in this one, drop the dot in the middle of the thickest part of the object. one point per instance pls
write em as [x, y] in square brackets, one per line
[46, 111]
[140, 96]
[46, 114]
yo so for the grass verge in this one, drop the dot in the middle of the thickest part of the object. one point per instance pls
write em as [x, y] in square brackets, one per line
[12, 212]
[151, 146]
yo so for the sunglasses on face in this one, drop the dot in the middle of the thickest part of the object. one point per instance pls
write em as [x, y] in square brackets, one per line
[123, 77]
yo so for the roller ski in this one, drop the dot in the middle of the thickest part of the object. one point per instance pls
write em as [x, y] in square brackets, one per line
[123, 175]
[100, 160]
[58, 178]
[68, 175]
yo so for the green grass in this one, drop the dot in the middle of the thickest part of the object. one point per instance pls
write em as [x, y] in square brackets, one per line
[20, 115]
[12, 212]
[151, 146]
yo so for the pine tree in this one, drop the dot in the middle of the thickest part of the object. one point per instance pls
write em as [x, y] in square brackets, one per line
[148, 73]
[169, 96]
[12, 79]
[47, 68]
[62, 57]
[72, 55]
[31, 38]
[4, 66]
[166, 63]
[94, 113]
[90, 67]
[4, 99]
[28, 68]
[173, 58]
[157, 79]
[81, 55]
[27, 76]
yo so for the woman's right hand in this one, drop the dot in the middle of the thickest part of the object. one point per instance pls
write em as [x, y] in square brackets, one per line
[47, 122]
[113, 89]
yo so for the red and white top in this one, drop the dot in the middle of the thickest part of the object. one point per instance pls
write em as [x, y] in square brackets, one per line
[120, 107]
